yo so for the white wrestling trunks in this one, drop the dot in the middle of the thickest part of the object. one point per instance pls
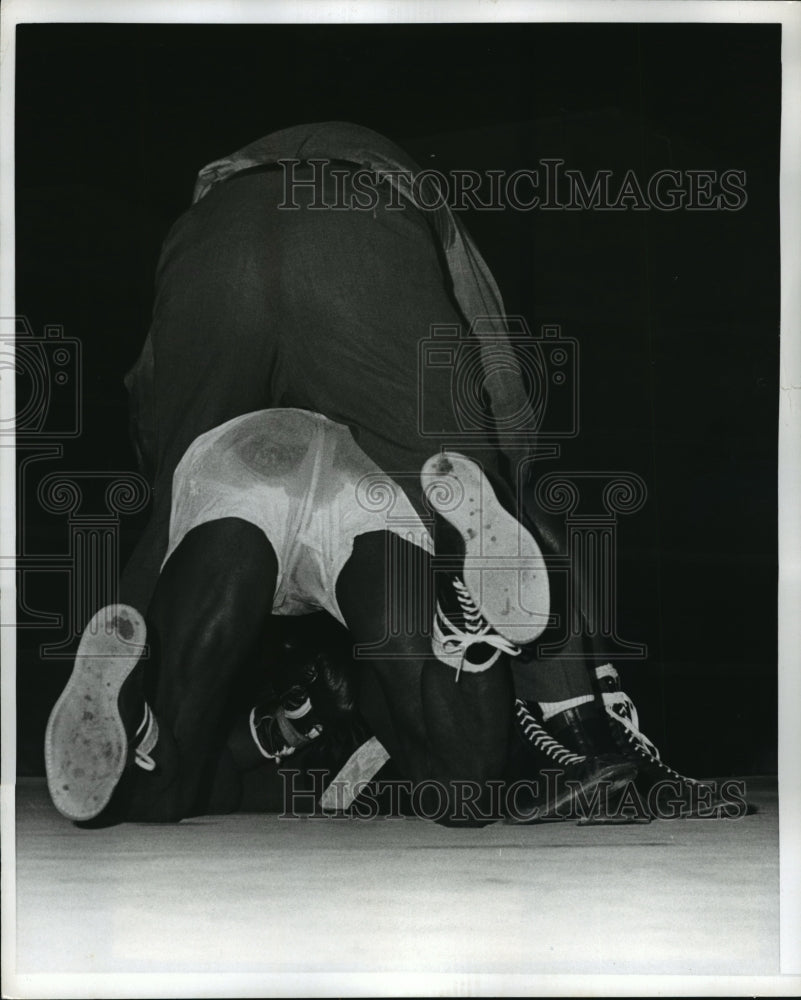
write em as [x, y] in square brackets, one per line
[304, 481]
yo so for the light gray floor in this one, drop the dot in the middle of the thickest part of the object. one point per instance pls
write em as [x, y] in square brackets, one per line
[261, 894]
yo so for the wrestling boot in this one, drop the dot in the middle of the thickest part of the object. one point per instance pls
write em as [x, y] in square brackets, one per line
[503, 574]
[461, 637]
[548, 781]
[278, 725]
[610, 723]
[101, 725]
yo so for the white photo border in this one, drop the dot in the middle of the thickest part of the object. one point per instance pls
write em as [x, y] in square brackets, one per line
[15, 12]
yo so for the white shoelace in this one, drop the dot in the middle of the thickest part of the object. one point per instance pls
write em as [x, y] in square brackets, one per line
[279, 720]
[455, 642]
[542, 740]
[622, 709]
[254, 722]
[146, 737]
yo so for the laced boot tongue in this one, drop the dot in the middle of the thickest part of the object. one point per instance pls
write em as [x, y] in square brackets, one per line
[275, 728]
[448, 587]
[584, 729]
[291, 725]
[621, 709]
[465, 618]
[462, 637]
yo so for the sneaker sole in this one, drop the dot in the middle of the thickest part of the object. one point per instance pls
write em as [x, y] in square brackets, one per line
[86, 745]
[503, 566]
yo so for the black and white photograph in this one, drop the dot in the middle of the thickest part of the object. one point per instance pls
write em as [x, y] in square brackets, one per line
[400, 470]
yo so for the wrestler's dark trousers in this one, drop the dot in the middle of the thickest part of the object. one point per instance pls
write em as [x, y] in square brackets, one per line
[261, 306]
[258, 305]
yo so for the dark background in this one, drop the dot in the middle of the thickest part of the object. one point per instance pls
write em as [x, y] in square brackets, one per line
[676, 314]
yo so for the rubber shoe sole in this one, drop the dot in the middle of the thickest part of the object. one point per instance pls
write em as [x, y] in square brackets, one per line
[504, 570]
[86, 745]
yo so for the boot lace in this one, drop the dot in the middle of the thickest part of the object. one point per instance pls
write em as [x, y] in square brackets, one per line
[623, 711]
[146, 737]
[455, 641]
[542, 740]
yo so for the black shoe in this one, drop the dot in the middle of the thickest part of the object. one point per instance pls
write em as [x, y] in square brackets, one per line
[610, 723]
[554, 782]
[316, 652]
[584, 729]
[101, 724]
[667, 793]
[276, 727]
